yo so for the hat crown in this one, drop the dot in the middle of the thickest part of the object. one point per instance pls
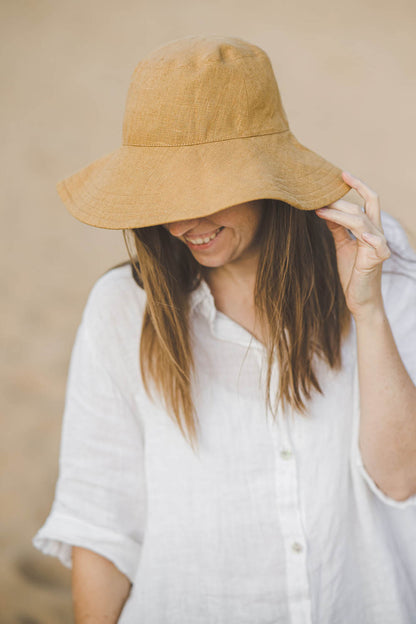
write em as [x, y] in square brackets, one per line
[202, 89]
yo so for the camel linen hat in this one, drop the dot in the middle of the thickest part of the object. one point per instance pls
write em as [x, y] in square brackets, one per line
[204, 128]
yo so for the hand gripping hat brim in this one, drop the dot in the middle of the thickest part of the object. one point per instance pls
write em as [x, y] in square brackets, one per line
[204, 129]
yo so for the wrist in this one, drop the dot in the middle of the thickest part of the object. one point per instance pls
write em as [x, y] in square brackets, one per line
[370, 314]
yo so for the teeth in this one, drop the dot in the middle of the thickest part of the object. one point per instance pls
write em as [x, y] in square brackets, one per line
[201, 241]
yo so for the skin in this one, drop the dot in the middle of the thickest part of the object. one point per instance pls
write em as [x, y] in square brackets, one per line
[231, 259]
[99, 589]
[234, 251]
[359, 261]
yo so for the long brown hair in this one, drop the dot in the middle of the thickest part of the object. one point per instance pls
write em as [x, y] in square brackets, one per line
[298, 297]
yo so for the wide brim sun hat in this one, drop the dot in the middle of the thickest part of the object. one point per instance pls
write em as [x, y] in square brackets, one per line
[204, 128]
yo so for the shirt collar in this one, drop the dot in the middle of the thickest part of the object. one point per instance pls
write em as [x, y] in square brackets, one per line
[202, 299]
[222, 327]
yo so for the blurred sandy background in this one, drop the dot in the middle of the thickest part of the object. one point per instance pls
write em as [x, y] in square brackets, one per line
[347, 78]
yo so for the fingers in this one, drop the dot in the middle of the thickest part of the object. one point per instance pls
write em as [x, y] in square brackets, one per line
[371, 198]
[346, 206]
[365, 191]
[354, 220]
[379, 243]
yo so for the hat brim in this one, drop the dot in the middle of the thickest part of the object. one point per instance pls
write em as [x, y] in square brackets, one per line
[137, 186]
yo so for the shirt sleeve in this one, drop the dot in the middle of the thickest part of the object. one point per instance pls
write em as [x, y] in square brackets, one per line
[99, 499]
[399, 296]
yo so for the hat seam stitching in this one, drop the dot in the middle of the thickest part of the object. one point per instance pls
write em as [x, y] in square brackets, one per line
[162, 61]
[248, 136]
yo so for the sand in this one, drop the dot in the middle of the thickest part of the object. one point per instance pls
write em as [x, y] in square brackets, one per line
[347, 78]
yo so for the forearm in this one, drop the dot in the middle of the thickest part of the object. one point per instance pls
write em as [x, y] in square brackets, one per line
[388, 408]
[99, 589]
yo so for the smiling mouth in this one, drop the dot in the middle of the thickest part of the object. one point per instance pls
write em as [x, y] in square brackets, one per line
[203, 240]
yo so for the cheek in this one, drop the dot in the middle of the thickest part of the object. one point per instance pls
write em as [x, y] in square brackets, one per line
[254, 224]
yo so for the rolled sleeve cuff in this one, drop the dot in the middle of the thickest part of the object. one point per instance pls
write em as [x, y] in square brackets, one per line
[59, 533]
[402, 504]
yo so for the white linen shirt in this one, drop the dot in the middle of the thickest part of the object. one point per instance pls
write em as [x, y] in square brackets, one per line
[276, 521]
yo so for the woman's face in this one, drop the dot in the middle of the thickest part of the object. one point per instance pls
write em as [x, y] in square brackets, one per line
[223, 237]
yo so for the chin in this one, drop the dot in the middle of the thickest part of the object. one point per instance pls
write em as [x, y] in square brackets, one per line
[210, 263]
[213, 262]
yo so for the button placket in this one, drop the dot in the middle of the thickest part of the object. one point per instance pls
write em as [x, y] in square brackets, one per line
[286, 484]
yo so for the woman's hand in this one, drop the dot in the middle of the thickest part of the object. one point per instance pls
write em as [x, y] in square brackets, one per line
[359, 261]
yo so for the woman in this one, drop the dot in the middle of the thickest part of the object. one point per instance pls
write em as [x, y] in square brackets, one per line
[239, 438]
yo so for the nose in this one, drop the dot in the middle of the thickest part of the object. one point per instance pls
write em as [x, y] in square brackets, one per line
[178, 228]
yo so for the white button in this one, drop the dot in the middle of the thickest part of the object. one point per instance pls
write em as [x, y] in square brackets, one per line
[286, 454]
[296, 547]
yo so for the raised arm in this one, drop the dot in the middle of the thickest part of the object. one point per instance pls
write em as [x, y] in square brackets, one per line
[387, 435]
[99, 589]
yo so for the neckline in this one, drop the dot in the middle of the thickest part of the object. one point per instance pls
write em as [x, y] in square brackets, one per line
[222, 325]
